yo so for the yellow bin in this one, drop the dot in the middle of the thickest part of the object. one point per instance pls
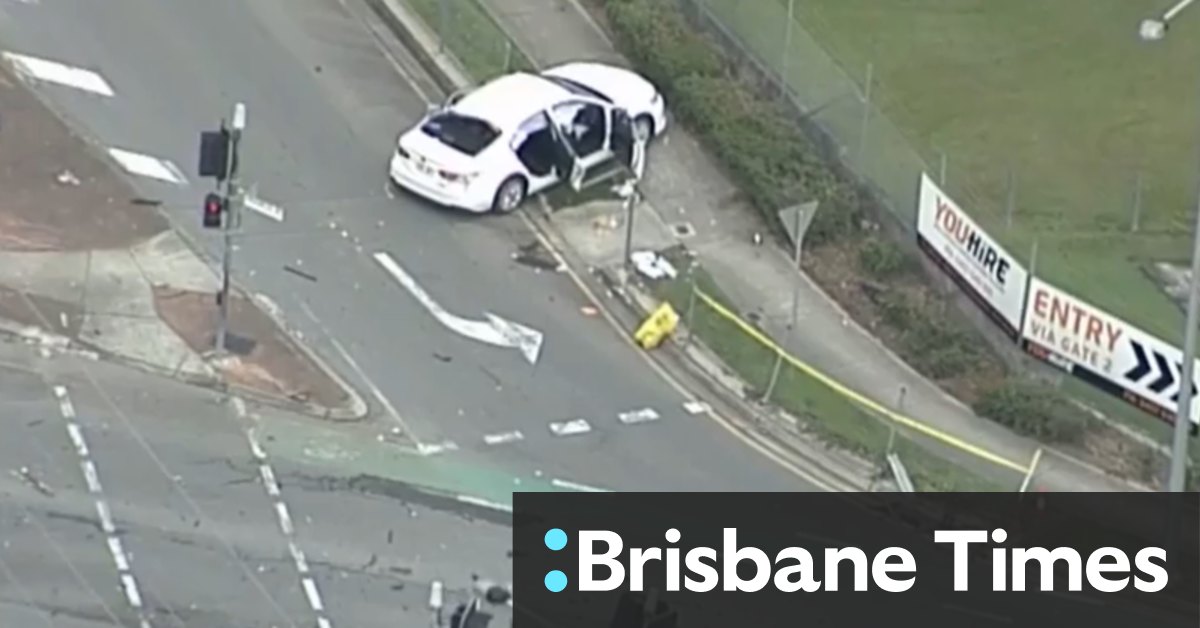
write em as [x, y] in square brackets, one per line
[660, 324]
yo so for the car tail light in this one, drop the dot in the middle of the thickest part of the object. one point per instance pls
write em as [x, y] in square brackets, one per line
[455, 177]
[400, 151]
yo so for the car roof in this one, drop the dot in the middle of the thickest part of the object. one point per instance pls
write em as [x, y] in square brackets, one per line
[511, 99]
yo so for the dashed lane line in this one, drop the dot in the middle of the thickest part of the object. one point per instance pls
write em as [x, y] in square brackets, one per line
[92, 477]
[271, 485]
[504, 437]
[633, 417]
[574, 427]
[48, 71]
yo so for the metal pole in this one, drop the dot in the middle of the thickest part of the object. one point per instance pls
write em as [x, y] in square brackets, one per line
[507, 55]
[942, 169]
[1037, 457]
[443, 20]
[796, 242]
[630, 200]
[233, 215]
[787, 50]
[862, 135]
[690, 317]
[1137, 203]
[1010, 205]
[1183, 415]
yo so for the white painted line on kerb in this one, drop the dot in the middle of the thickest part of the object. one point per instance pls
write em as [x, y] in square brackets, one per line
[91, 477]
[268, 477]
[147, 166]
[77, 440]
[475, 501]
[118, 554]
[576, 486]
[64, 402]
[506, 437]
[645, 415]
[55, 72]
[298, 558]
[131, 591]
[314, 596]
[570, 428]
[285, 519]
[106, 520]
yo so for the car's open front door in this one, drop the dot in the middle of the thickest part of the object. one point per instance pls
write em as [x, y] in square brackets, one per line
[625, 148]
[565, 160]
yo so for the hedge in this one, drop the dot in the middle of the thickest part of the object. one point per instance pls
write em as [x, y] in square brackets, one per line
[763, 150]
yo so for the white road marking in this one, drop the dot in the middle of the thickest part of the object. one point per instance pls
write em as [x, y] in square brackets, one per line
[55, 72]
[77, 440]
[147, 166]
[285, 519]
[323, 623]
[106, 520]
[131, 591]
[576, 486]
[570, 428]
[495, 330]
[428, 449]
[435, 595]
[696, 407]
[239, 407]
[64, 402]
[634, 417]
[268, 477]
[255, 448]
[270, 210]
[298, 557]
[314, 596]
[506, 437]
[91, 477]
[118, 553]
[475, 501]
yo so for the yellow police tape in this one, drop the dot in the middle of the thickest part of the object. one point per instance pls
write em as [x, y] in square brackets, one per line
[871, 404]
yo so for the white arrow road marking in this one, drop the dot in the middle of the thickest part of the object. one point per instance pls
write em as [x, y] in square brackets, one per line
[570, 428]
[270, 210]
[55, 72]
[147, 166]
[494, 331]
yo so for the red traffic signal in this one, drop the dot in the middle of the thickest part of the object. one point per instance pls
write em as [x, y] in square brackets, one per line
[213, 208]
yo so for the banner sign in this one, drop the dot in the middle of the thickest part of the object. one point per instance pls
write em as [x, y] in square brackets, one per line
[988, 274]
[1105, 351]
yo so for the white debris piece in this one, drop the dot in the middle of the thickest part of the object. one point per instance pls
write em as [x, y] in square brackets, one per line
[652, 265]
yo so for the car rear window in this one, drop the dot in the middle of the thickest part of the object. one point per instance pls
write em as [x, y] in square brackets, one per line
[463, 133]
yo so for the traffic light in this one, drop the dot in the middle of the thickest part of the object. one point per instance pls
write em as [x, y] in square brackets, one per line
[214, 154]
[214, 207]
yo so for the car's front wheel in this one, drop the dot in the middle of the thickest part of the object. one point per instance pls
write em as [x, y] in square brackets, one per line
[510, 194]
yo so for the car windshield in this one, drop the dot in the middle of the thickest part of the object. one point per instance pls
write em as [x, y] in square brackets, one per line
[576, 87]
[463, 133]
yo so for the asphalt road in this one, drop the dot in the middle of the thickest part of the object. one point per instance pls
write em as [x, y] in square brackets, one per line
[197, 527]
[325, 104]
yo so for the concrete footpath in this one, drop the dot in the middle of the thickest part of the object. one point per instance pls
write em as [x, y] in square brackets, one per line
[690, 201]
[86, 265]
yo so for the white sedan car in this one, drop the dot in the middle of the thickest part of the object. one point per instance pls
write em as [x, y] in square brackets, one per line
[490, 148]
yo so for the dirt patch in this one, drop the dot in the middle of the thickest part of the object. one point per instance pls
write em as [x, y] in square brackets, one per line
[263, 356]
[58, 195]
[49, 314]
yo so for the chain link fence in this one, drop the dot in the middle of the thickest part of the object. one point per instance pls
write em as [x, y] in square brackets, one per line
[468, 31]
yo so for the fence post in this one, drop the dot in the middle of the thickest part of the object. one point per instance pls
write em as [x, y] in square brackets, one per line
[866, 117]
[942, 169]
[1137, 203]
[766, 398]
[1011, 202]
[690, 315]
[507, 56]
[787, 51]
[443, 22]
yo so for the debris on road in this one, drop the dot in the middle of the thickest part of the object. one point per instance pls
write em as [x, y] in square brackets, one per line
[66, 177]
[589, 311]
[652, 265]
[26, 475]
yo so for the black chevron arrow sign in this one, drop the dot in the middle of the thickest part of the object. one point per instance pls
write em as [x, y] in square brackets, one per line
[1153, 365]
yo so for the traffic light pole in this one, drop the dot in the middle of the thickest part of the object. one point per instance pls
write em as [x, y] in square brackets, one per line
[233, 219]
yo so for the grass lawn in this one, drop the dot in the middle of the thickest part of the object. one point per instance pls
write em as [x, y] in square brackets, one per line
[1062, 92]
[834, 417]
[472, 37]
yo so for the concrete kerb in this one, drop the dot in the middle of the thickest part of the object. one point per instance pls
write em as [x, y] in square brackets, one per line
[448, 75]
[357, 408]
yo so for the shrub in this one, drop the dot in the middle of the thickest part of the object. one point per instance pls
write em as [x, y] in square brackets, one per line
[658, 40]
[883, 259]
[1035, 410]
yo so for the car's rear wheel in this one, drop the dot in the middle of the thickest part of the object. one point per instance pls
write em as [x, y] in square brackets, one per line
[643, 128]
[510, 194]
